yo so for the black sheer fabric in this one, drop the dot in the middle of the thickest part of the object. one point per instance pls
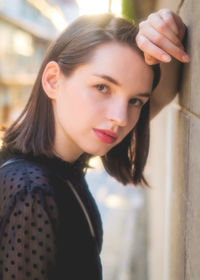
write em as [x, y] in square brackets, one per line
[43, 231]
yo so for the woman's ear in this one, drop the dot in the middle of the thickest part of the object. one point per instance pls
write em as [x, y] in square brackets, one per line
[50, 79]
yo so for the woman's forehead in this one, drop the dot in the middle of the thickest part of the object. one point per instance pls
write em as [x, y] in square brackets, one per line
[114, 54]
[120, 62]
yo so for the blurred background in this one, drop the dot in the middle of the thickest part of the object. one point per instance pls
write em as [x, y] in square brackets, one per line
[152, 233]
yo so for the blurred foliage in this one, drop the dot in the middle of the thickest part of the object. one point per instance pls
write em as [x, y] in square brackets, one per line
[128, 11]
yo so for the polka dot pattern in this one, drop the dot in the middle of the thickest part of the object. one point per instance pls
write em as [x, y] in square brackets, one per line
[28, 215]
[44, 234]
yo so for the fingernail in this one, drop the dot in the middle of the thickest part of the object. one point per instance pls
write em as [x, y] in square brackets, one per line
[185, 58]
[166, 58]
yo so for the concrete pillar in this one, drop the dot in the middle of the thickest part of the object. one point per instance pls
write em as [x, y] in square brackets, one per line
[174, 168]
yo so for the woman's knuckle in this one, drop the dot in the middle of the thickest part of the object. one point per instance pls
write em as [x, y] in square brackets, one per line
[158, 39]
[142, 42]
[169, 20]
[161, 27]
[141, 24]
[151, 16]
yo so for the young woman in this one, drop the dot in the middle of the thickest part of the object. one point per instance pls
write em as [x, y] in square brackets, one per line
[91, 97]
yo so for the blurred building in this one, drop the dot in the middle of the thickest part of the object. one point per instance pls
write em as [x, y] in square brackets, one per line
[26, 28]
[21, 52]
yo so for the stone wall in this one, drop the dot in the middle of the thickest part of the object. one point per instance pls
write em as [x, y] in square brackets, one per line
[174, 168]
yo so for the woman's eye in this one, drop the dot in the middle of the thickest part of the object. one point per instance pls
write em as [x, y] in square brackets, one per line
[136, 102]
[102, 88]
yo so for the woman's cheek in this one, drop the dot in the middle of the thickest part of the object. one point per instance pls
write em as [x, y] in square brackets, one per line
[133, 117]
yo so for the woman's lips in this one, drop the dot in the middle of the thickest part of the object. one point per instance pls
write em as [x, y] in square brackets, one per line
[106, 136]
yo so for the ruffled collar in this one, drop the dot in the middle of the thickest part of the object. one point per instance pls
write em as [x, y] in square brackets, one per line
[53, 163]
[58, 165]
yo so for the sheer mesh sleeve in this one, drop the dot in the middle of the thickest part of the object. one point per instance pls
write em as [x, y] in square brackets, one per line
[28, 231]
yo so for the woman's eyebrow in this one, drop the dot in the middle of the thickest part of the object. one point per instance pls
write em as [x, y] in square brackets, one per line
[144, 95]
[112, 80]
[108, 78]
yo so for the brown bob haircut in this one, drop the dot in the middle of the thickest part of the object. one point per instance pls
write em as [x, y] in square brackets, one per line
[33, 131]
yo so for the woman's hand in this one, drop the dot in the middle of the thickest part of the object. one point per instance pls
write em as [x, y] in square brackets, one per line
[160, 37]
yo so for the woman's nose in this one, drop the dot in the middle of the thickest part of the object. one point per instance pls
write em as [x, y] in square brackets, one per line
[118, 113]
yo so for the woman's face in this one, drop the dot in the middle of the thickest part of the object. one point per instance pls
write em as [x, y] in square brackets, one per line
[100, 103]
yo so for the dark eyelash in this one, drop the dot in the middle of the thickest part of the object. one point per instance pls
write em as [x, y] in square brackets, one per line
[136, 99]
[101, 85]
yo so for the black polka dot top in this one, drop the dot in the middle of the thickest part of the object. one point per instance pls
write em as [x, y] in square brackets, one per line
[50, 227]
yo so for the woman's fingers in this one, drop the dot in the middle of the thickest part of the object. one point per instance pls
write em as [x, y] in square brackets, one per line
[163, 43]
[150, 60]
[151, 49]
[160, 36]
[160, 48]
[168, 18]
[160, 25]
[181, 26]
[174, 22]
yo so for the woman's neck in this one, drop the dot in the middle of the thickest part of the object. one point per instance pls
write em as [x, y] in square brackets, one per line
[66, 151]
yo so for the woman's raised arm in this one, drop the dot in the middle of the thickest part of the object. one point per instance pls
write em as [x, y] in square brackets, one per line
[160, 37]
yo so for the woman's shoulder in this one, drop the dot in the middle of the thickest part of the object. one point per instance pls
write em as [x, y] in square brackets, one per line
[19, 174]
[24, 184]
[24, 175]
